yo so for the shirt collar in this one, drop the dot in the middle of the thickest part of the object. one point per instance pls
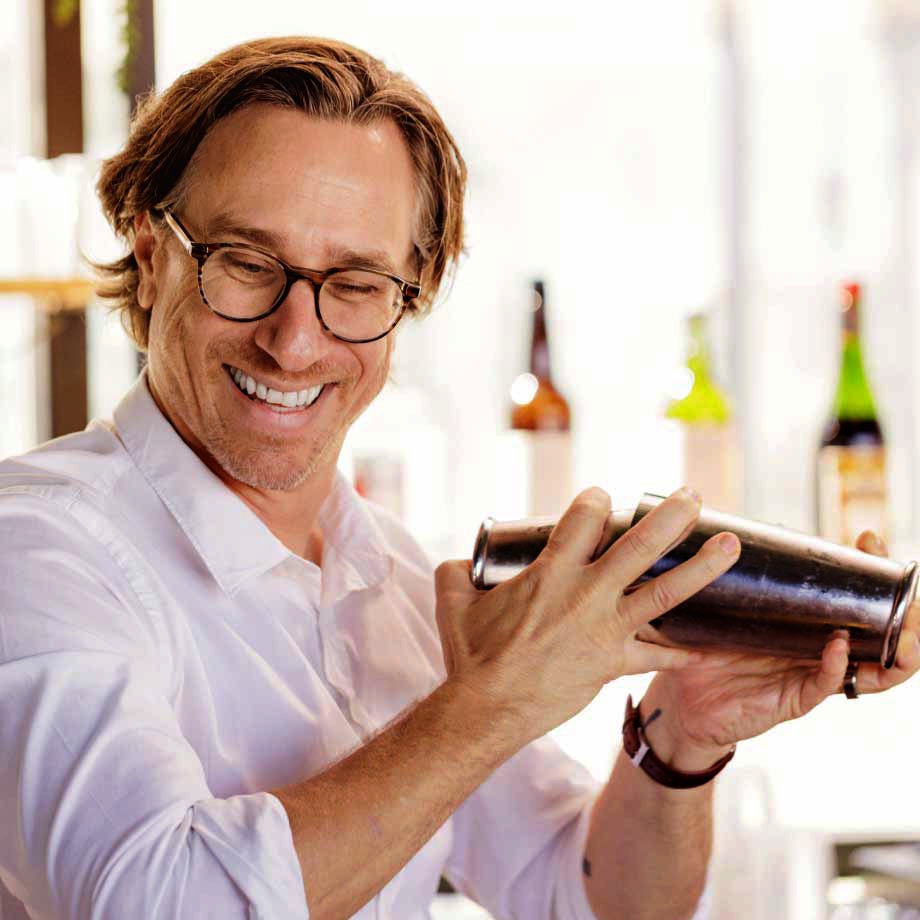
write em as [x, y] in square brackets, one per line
[356, 555]
[231, 539]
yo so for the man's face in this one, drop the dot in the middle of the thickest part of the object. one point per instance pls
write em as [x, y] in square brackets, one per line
[312, 192]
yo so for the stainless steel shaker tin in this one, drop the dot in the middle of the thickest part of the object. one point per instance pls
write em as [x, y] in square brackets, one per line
[784, 596]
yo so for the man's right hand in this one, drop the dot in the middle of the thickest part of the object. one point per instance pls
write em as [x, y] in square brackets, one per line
[540, 646]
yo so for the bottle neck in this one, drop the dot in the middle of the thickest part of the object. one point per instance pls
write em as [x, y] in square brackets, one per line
[539, 340]
[539, 349]
[704, 403]
[698, 352]
[853, 399]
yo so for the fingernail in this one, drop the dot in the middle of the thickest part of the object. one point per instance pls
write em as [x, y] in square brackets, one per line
[729, 544]
[690, 493]
[596, 494]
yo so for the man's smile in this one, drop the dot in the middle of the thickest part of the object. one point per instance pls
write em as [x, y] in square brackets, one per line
[278, 400]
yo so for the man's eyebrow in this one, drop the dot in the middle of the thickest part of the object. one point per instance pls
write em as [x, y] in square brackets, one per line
[224, 225]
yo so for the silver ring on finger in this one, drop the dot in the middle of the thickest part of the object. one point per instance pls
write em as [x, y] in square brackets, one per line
[849, 681]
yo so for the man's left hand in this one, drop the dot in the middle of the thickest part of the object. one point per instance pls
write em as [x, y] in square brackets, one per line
[708, 707]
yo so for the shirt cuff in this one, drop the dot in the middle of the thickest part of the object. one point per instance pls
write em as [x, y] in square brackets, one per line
[250, 837]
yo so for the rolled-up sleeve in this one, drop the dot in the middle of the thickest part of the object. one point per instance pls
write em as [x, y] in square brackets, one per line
[105, 810]
[517, 837]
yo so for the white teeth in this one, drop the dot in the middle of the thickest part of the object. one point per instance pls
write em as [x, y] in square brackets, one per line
[294, 399]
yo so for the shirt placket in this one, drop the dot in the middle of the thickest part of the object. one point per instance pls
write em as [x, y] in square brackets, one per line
[338, 671]
[338, 675]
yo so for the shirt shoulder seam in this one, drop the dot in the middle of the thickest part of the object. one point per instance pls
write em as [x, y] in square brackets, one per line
[98, 528]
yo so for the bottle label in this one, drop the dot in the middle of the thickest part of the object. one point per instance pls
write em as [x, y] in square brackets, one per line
[535, 477]
[851, 492]
[712, 465]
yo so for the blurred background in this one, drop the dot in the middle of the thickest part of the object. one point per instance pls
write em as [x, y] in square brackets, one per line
[669, 204]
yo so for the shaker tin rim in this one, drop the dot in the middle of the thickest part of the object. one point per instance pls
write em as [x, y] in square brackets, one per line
[907, 590]
[480, 553]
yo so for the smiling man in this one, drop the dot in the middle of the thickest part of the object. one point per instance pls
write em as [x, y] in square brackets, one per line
[229, 687]
[266, 398]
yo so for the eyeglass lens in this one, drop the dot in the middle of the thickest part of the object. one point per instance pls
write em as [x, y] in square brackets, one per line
[242, 284]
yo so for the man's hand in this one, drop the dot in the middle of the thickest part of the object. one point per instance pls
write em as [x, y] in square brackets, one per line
[873, 678]
[541, 645]
[709, 706]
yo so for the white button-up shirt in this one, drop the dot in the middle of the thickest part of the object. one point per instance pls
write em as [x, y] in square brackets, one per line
[165, 660]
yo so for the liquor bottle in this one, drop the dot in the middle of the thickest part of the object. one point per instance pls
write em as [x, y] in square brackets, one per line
[710, 443]
[851, 491]
[541, 423]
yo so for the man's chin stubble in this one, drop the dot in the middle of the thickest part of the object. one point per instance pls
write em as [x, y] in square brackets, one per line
[258, 472]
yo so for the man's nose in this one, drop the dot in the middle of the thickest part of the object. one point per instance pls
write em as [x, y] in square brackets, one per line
[293, 334]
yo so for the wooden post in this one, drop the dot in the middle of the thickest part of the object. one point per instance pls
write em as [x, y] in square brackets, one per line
[142, 67]
[64, 133]
[142, 75]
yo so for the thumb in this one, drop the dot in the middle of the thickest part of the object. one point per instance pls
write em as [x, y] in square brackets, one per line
[870, 543]
[452, 582]
[454, 594]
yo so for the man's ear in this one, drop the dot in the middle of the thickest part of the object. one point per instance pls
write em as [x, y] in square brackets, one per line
[145, 244]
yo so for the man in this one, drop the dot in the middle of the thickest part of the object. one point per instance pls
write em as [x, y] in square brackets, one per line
[231, 688]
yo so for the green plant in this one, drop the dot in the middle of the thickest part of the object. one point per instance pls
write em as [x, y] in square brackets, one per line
[131, 42]
[63, 12]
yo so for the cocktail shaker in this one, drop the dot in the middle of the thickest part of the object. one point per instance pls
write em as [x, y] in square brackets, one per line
[786, 594]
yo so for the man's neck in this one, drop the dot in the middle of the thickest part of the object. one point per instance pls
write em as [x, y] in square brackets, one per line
[291, 515]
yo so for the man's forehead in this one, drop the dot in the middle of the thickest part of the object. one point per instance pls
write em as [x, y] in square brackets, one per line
[261, 132]
[266, 174]
[222, 225]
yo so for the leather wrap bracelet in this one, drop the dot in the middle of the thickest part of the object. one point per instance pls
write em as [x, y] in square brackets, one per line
[641, 755]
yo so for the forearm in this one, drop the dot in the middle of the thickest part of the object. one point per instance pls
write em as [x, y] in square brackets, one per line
[648, 848]
[358, 823]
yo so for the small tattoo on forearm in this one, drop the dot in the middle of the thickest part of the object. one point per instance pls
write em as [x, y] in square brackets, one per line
[651, 719]
[586, 867]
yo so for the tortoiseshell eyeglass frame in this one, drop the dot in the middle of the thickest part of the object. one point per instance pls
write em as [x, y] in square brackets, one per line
[200, 252]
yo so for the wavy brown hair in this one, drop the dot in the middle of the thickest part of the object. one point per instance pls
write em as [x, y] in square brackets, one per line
[320, 77]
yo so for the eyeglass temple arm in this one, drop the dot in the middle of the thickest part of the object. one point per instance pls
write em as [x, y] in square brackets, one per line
[181, 235]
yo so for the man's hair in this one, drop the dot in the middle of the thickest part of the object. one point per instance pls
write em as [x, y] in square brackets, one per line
[320, 77]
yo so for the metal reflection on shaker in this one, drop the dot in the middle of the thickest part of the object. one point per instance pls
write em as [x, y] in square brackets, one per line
[784, 596]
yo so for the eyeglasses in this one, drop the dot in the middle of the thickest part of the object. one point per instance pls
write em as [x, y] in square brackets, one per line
[245, 283]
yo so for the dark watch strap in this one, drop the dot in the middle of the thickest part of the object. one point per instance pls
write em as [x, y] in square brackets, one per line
[641, 755]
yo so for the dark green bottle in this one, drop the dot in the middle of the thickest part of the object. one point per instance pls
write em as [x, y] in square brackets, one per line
[851, 486]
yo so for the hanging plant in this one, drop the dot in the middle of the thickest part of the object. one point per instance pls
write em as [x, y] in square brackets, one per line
[130, 42]
[63, 12]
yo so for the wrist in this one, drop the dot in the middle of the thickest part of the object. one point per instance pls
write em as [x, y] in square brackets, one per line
[482, 712]
[670, 741]
[673, 746]
[641, 754]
